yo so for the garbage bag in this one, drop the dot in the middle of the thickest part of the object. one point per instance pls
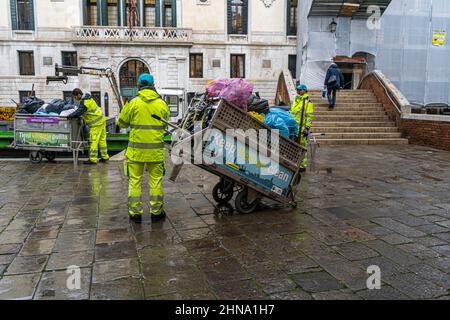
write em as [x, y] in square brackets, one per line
[236, 91]
[42, 109]
[55, 106]
[66, 113]
[282, 120]
[256, 104]
[68, 107]
[258, 116]
[31, 104]
[215, 87]
[41, 113]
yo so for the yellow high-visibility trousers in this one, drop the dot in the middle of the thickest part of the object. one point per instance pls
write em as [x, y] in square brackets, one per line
[135, 171]
[97, 139]
[304, 143]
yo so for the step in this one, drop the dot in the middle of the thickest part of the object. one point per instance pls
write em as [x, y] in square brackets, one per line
[349, 105]
[354, 124]
[363, 141]
[349, 97]
[345, 100]
[356, 118]
[316, 129]
[361, 135]
[359, 112]
[345, 94]
[345, 91]
[349, 109]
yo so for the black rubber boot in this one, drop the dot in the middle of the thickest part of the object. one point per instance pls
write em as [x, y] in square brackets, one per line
[136, 219]
[160, 217]
[90, 163]
[104, 160]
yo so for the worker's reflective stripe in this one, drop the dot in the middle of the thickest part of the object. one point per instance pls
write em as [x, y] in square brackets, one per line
[149, 146]
[95, 121]
[136, 210]
[156, 208]
[309, 121]
[134, 199]
[93, 151]
[103, 149]
[123, 123]
[144, 127]
[156, 198]
[94, 112]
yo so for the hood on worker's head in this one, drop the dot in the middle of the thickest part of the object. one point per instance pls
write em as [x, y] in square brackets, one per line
[148, 95]
[86, 96]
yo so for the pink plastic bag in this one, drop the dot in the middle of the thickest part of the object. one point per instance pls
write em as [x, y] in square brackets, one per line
[213, 89]
[236, 91]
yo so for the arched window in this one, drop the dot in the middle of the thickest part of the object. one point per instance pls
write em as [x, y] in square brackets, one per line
[128, 77]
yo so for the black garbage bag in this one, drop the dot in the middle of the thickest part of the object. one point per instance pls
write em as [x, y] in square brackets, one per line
[258, 105]
[31, 105]
[22, 111]
[56, 106]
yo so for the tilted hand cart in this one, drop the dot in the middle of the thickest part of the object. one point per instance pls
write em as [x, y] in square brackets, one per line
[245, 179]
[44, 136]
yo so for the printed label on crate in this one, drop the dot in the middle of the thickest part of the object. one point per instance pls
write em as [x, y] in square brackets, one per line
[44, 139]
[7, 113]
[42, 120]
[274, 178]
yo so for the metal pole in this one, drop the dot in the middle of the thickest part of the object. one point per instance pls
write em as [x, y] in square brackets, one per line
[106, 98]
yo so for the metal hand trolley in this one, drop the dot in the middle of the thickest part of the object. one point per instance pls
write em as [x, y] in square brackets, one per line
[44, 136]
[245, 180]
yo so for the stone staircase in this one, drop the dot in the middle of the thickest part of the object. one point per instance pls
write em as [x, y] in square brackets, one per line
[358, 118]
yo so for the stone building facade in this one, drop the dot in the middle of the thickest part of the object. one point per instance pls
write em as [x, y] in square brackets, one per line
[184, 43]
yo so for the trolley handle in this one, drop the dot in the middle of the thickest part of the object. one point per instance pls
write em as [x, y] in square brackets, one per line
[154, 116]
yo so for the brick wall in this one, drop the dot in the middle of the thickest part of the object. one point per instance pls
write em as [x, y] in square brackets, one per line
[427, 133]
[430, 133]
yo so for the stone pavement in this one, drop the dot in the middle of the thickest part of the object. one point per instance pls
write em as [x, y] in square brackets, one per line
[366, 205]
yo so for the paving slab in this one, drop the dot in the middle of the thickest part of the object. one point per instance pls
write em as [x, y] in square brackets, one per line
[19, 287]
[56, 285]
[63, 260]
[362, 206]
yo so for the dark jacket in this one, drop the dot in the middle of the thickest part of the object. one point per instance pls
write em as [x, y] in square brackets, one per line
[81, 109]
[333, 70]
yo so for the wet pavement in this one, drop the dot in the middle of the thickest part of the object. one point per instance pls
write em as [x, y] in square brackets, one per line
[364, 206]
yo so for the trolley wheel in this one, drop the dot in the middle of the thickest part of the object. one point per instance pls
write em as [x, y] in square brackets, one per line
[36, 157]
[50, 156]
[242, 206]
[223, 192]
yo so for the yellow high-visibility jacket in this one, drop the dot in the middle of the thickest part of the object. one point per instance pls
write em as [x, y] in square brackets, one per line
[146, 140]
[93, 117]
[301, 102]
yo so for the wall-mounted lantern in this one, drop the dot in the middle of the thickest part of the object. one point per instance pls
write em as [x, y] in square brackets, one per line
[333, 26]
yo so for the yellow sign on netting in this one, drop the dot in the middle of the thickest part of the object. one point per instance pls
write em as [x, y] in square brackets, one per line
[439, 38]
[7, 113]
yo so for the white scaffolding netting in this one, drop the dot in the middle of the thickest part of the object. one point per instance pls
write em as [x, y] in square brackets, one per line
[403, 47]
[406, 54]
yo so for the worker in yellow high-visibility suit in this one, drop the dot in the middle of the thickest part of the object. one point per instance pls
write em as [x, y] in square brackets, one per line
[145, 148]
[93, 117]
[302, 105]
